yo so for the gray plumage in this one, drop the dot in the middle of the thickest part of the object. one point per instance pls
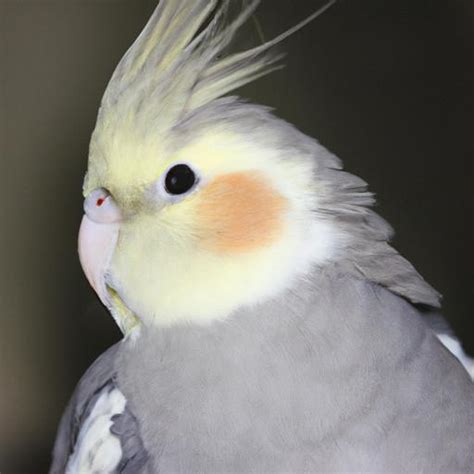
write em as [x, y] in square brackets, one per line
[336, 375]
[134, 455]
[339, 372]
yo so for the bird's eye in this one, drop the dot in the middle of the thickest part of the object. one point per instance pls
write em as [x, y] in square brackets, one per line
[179, 179]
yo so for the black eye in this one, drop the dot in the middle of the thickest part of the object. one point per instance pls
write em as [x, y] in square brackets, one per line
[179, 179]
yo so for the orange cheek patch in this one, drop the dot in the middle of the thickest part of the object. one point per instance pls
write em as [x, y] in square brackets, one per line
[239, 212]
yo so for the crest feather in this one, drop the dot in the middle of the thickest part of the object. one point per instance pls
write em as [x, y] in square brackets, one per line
[174, 66]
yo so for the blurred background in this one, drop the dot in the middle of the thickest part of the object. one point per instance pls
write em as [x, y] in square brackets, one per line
[387, 85]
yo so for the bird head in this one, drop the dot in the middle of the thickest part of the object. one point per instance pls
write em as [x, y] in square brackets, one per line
[197, 204]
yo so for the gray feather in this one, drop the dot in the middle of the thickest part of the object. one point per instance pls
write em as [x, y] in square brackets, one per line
[337, 374]
[134, 455]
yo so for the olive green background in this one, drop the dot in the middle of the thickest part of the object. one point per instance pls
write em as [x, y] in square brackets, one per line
[385, 84]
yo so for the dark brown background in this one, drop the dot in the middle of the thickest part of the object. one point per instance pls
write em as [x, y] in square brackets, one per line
[385, 84]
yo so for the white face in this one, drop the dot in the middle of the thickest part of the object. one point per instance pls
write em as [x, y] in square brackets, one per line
[222, 223]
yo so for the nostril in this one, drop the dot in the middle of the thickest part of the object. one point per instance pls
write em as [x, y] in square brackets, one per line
[101, 208]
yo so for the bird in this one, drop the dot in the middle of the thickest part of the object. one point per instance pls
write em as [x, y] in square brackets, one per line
[268, 324]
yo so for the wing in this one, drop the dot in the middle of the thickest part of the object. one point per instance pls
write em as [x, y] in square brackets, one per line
[446, 335]
[97, 432]
[386, 267]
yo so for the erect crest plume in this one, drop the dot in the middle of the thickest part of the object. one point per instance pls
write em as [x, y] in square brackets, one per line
[174, 66]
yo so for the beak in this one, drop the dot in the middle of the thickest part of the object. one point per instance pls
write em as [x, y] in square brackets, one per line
[96, 244]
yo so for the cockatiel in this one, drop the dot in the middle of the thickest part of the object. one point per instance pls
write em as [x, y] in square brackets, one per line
[268, 324]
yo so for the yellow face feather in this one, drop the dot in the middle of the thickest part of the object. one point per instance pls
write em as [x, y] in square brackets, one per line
[240, 237]
[246, 229]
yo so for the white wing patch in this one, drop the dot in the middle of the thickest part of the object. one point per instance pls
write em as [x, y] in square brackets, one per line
[454, 346]
[97, 450]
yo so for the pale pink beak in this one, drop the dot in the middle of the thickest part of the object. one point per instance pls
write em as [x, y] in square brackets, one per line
[96, 246]
[98, 236]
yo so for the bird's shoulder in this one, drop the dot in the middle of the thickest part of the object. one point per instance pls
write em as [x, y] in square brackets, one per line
[392, 287]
